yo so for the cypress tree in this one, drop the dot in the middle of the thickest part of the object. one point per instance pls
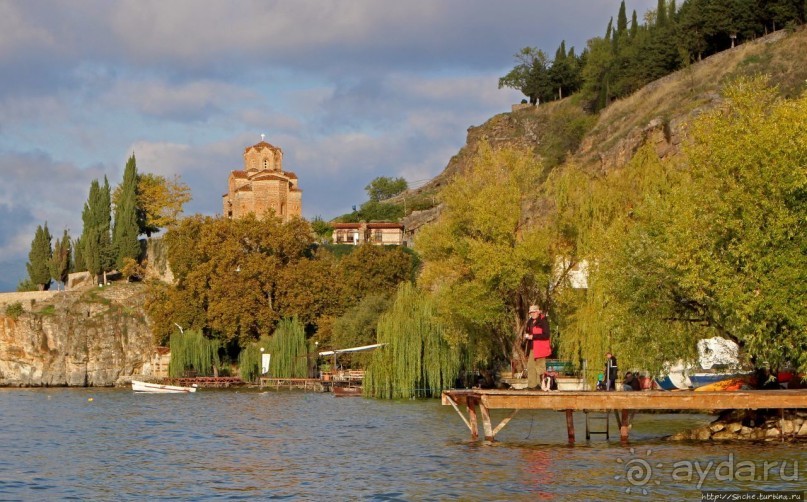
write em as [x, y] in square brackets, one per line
[661, 14]
[125, 242]
[634, 26]
[622, 20]
[60, 261]
[104, 218]
[39, 258]
[97, 244]
[78, 264]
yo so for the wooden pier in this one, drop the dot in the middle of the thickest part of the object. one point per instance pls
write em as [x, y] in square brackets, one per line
[206, 382]
[313, 384]
[623, 402]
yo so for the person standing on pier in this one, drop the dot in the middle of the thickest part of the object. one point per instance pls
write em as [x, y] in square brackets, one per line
[536, 346]
[611, 371]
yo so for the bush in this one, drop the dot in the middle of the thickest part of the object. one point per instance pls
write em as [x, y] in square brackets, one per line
[14, 310]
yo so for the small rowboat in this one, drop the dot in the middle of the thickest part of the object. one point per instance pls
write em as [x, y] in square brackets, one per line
[158, 388]
[345, 391]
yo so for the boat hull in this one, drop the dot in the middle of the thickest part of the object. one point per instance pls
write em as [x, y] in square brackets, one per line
[705, 382]
[156, 388]
[344, 391]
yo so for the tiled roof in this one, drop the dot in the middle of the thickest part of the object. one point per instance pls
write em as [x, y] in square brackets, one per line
[269, 176]
[261, 146]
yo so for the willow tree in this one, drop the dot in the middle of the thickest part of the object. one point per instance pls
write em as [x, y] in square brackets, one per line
[484, 262]
[289, 350]
[718, 247]
[416, 360]
[250, 360]
[191, 351]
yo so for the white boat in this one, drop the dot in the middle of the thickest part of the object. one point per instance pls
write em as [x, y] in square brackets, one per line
[158, 388]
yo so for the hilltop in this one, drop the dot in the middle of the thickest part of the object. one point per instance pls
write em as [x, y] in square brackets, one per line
[658, 113]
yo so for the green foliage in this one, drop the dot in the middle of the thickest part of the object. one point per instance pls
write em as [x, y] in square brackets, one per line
[60, 260]
[322, 229]
[191, 351]
[530, 75]
[482, 261]
[374, 211]
[126, 230]
[710, 244]
[160, 201]
[78, 264]
[383, 188]
[249, 360]
[565, 129]
[289, 350]
[14, 310]
[47, 310]
[416, 361]
[26, 285]
[371, 269]
[97, 253]
[229, 276]
[357, 326]
[39, 258]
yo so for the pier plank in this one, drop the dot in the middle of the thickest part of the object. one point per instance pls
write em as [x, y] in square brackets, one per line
[623, 403]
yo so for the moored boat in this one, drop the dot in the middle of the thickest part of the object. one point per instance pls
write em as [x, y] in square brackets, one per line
[706, 381]
[346, 391]
[157, 388]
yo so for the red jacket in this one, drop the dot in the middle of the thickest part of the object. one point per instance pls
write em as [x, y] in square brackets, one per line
[539, 329]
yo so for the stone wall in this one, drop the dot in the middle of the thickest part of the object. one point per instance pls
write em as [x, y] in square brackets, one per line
[27, 299]
[92, 338]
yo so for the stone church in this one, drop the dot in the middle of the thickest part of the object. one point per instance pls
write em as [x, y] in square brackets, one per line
[263, 185]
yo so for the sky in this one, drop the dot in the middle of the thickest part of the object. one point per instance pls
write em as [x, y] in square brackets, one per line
[350, 90]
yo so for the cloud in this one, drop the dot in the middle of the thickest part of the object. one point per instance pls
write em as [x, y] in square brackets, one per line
[36, 190]
[349, 90]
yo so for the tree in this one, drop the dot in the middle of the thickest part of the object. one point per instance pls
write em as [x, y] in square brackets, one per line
[371, 269]
[289, 350]
[715, 248]
[417, 359]
[39, 258]
[60, 260]
[383, 188]
[482, 262]
[564, 73]
[228, 275]
[357, 327]
[98, 253]
[530, 75]
[322, 229]
[78, 264]
[159, 202]
[126, 230]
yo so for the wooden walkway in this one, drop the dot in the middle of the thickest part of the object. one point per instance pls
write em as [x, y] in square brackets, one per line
[313, 384]
[571, 401]
[206, 382]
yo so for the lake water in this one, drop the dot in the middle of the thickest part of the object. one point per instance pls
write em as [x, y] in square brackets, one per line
[112, 444]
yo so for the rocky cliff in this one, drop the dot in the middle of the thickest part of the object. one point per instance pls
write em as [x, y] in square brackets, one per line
[658, 114]
[93, 337]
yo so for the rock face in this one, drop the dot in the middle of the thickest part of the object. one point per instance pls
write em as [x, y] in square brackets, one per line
[82, 338]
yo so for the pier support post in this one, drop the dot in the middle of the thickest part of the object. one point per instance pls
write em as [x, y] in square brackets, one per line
[624, 425]
[570, 425]
[471, 403]
[486, 425]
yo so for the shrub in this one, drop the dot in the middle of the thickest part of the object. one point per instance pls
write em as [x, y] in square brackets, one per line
[14, 310]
